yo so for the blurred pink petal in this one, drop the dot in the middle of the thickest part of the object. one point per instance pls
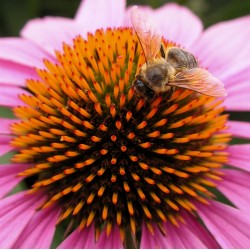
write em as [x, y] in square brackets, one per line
[239, 73]
[228, 225]
[149, 241]
[9, 178]
[86, 239]
[10, 96]
[113, 241]
[176, 24]
[39, 232]
[183, 237]
[80, 239]
[5, 125]
[49, 33]
[21, 207]
[216, 46]
[236, 187]
[23, 52]
[238, 102]
[15, 74]
[5, 148]
[177, 237]
[194, 225]
[5, 139]
[239, 156]
[236, 81]
[239, 129]
[110, 13]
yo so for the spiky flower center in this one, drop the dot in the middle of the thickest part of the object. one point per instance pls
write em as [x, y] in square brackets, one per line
[105, 155]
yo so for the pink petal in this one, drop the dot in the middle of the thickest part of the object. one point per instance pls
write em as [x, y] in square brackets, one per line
[5, 148]
[239, 129]
[228, 225]
[49, 33]
[215, 47]
[181, 237]
[86, 239]
[107, 13]
[9, 96]
[237, 74]
[149, 241]
[80, 239]
[113, 241]
[174, 21]
[15, 74]
[15, 213]
[236, 81]
[5, 125]
[236, 187]
[5, 139]
[240, 102]
[23, 52]
[239, 156]
[194, 225]
[39, 232]
[9, 178]
[177, 23]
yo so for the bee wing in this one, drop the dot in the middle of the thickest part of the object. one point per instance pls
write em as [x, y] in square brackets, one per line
[148, 35]
[199, 80]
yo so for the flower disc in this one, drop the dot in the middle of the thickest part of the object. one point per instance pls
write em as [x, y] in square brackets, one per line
[106, 155]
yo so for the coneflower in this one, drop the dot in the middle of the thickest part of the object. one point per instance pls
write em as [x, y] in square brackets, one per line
[111, 168]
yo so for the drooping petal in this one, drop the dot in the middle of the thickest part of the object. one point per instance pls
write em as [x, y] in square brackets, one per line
[49, 33]
[86, 239]
[15, 213]
[113, 241]
[177, 237]
[228, 225]
[216, 47]
[236, 187]
[239, 129]
[15, 74]
[5, 125]
[183, 237]
[80, 239]
[9, 95]
[39, 232]
[23, 52]
[109, 13]
[239, 156]
[9, 178]
[195, 226]
[150, 241]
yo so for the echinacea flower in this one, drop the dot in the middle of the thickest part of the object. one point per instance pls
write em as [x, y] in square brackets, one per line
[108, 168]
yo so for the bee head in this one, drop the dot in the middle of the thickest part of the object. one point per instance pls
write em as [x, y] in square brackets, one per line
[156, 74]
[143, 90]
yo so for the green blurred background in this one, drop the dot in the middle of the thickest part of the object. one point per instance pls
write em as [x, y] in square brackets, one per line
[15, 13]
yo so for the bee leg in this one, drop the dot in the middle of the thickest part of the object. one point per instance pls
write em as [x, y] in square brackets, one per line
[162, 50]
[170, 93]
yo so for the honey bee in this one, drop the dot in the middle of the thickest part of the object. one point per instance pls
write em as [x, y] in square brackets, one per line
[175, 68]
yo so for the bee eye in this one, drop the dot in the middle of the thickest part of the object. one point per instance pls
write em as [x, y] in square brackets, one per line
[139, 83]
